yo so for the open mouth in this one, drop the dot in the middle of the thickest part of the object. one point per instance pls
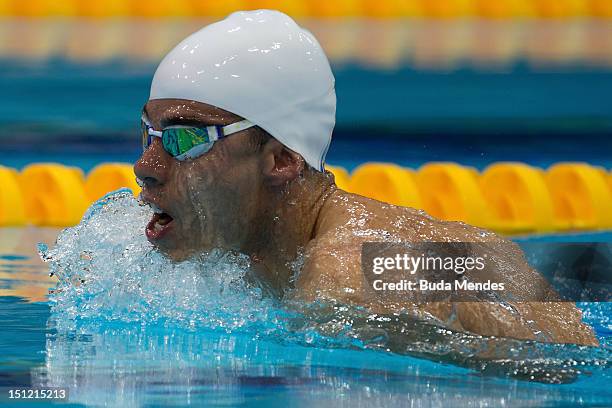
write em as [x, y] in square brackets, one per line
[159, 225]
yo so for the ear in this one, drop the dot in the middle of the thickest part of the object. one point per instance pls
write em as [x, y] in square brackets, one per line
[280, 165]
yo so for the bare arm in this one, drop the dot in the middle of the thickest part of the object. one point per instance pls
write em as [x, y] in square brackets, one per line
[332, 272]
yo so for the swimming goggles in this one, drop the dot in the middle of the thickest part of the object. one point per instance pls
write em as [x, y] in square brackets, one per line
[188, 142]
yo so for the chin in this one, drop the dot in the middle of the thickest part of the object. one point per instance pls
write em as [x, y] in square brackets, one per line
[169, 246]
[175, 254]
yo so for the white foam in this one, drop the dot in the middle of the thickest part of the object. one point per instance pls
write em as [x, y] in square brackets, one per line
[108, 270]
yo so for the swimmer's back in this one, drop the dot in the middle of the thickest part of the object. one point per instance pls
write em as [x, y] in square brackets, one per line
[332, 270]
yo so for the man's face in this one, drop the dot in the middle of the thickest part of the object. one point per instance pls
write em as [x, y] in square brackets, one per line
[208, 202]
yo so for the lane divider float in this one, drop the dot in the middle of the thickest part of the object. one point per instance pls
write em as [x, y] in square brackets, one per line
[581, 196]
[386, 182]
[109, 177]
[518, 197]
[11, 200]
[53, 195]
[438, 9]
[451, 192]
[507, 197]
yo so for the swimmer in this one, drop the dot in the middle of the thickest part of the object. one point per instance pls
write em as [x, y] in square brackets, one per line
[235, 133]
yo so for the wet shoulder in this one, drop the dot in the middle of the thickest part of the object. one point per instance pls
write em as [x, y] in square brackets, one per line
[348, 214]
[332, 266]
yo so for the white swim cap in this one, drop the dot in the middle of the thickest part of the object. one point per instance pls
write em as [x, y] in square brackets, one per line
[264, 67]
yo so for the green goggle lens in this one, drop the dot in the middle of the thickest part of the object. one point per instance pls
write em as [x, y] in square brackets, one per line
[182, 142]
[178, 141]
[185, 142]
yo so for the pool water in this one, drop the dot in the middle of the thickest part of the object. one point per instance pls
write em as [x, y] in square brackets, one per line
[145, 332]
[132, 365]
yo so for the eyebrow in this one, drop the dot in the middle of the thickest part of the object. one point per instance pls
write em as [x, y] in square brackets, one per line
[190, 118]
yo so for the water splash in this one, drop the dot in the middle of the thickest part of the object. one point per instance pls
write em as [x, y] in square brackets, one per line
[109, 272]
[111, 280]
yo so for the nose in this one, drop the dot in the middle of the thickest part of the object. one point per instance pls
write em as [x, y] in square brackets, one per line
[153, 166]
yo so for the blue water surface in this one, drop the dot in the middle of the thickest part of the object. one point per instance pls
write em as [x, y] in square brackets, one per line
[156, 364]
[162, 366]
[85, 115]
